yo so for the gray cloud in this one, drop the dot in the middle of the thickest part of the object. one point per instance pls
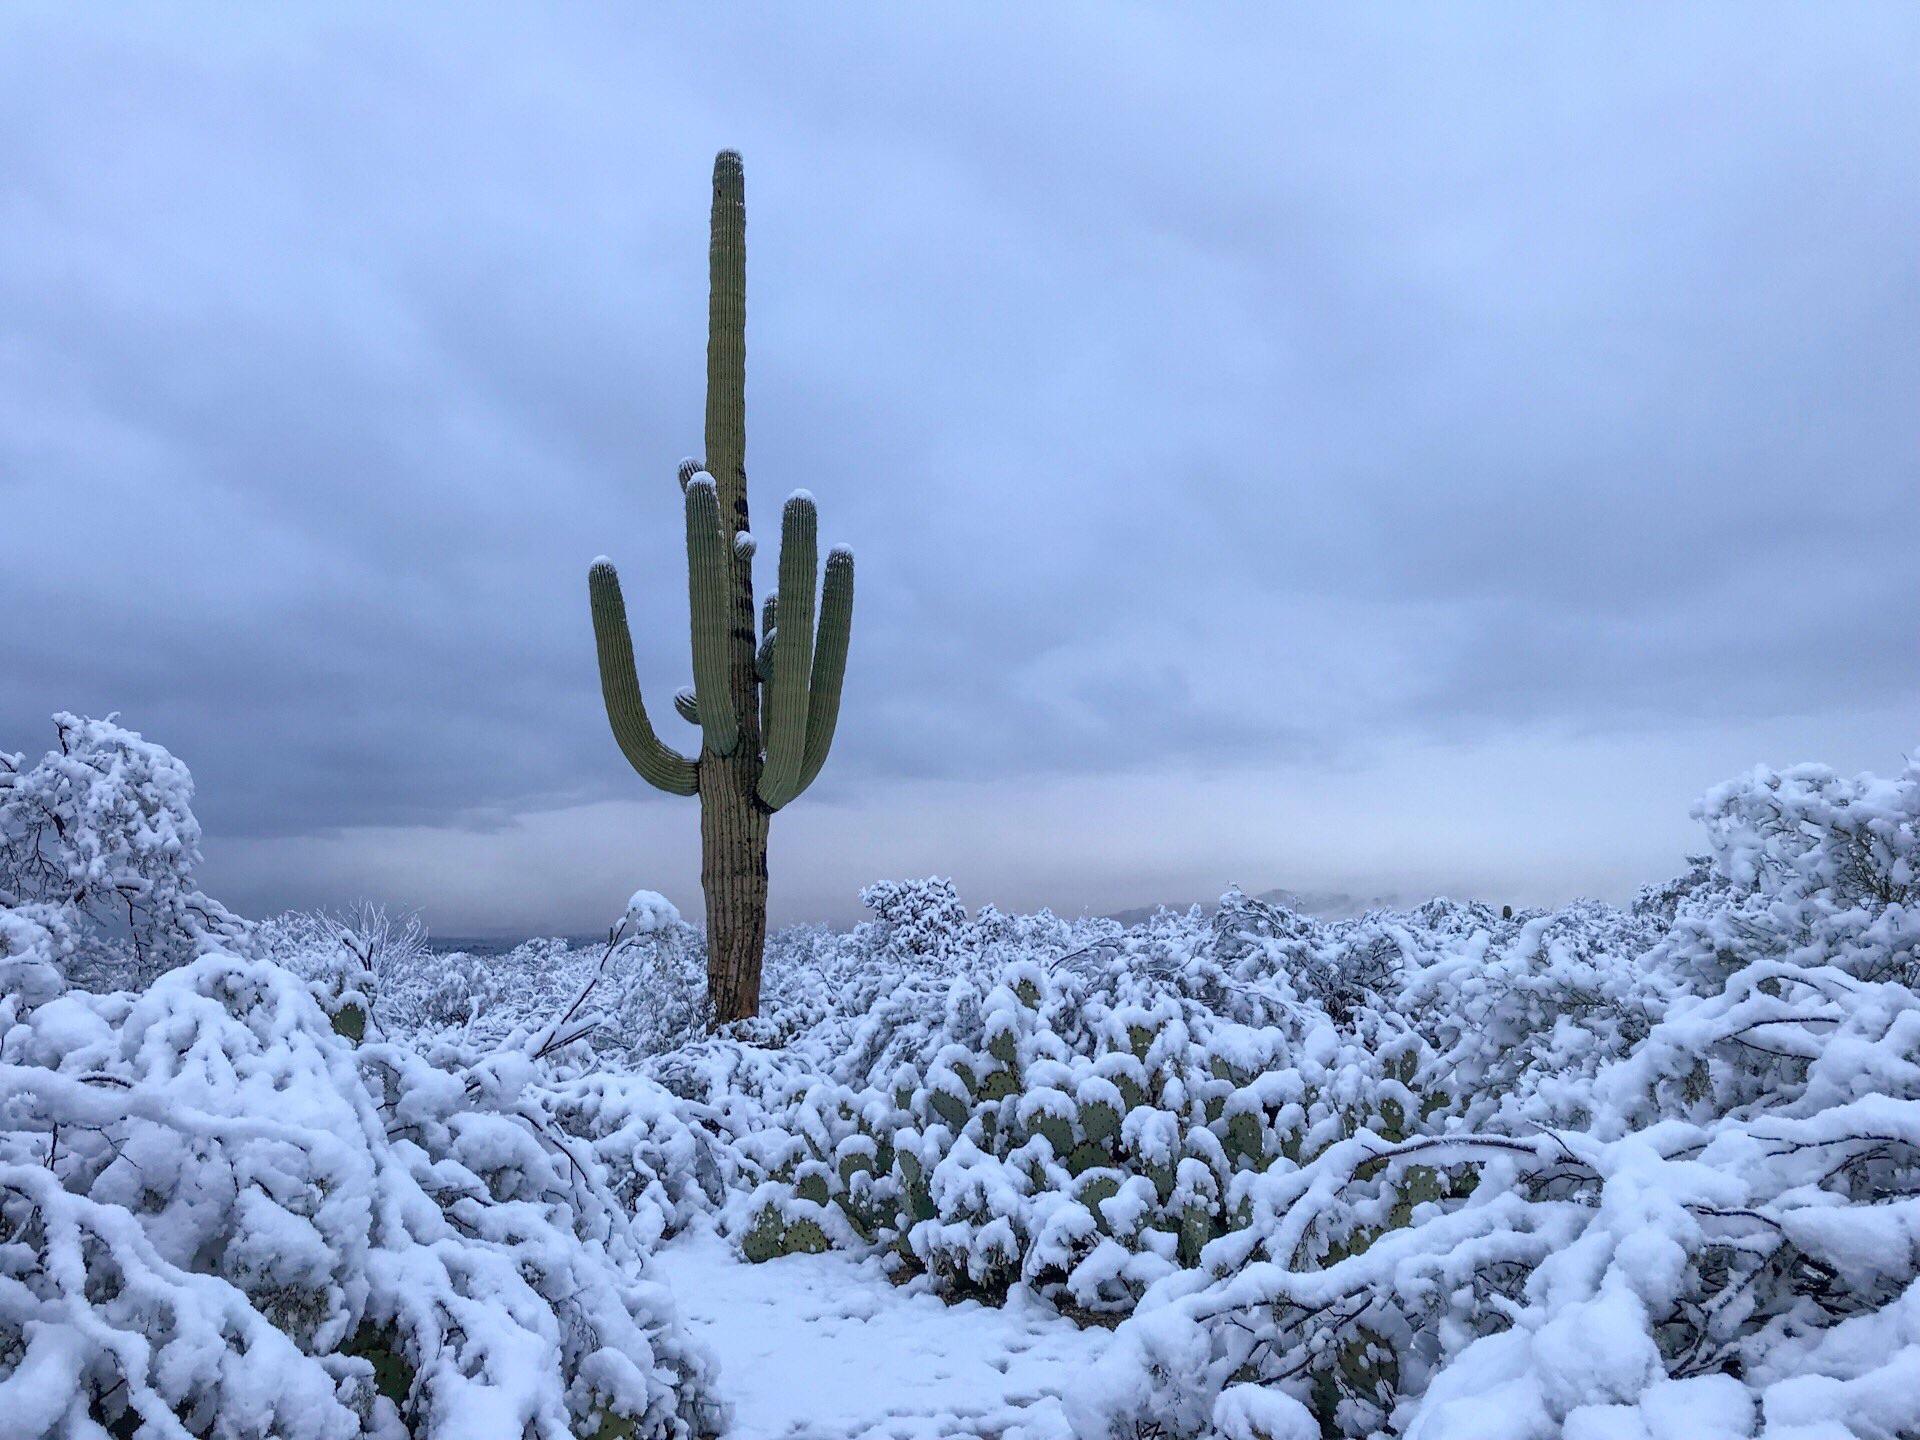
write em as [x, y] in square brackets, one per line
[1213, 401]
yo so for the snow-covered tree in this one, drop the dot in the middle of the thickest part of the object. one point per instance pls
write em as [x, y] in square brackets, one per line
[102, 831]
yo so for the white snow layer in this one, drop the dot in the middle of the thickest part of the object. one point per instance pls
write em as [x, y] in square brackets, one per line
[818, 1346]
[650, 912]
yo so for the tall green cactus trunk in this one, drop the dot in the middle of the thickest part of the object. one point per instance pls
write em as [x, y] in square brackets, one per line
[733, 873]
[759, 750]
[733, 824]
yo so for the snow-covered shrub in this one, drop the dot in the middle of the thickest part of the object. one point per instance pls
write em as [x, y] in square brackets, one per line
[218, 1217]
[1523, 1015]
[923, 919]
[1083, 1127]
[348, 957]
[35, 942]
[648, 980]
[102, 831]
[1341, 979]
[1721, 1246]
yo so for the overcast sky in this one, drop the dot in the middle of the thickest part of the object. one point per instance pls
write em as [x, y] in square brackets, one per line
[1343, 452]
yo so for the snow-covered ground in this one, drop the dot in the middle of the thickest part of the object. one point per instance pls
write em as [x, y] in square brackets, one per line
[826, 1347]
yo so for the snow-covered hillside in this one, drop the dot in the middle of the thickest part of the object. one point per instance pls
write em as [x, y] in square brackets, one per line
[1596, 1173]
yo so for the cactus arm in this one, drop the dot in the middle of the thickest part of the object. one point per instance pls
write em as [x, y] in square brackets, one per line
[620, 688]
[686, 705]
[792, 653]
[709, 571]
[829, 661]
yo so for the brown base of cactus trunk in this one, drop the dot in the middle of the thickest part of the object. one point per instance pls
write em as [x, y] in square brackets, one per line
[733, 872]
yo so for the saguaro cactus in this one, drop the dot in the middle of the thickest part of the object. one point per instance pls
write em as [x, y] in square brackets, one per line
[766, 705]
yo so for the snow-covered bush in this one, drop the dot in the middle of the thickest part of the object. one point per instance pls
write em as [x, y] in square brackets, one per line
[648, 979]
[217, 1217]
[1523, 1014]
[1722, 1247]
[922, 919]
[348, 957]
[101, 831]
[1083, 1126]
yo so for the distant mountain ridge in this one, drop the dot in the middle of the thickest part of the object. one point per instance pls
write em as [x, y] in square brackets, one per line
[1327, 904]
[486, 945]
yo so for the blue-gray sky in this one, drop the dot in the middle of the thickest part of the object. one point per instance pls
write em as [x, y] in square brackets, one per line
[1393, 452]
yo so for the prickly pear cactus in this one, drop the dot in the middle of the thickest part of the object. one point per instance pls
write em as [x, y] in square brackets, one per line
[1085, 1145]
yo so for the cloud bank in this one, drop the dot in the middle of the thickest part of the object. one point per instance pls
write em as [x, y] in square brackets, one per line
[1294, 450]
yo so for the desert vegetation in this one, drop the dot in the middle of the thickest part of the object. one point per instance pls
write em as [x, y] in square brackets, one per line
[1599, 1171]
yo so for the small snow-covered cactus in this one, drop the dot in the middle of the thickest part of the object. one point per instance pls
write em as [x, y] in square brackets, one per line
[766, 705]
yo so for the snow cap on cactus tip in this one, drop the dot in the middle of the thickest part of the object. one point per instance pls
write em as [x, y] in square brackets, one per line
[689, 468]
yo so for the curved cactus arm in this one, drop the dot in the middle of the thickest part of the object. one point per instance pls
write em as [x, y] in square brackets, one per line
[685, 705]
[829, 661]
[709, 568]
[792, 652]
[620, 687]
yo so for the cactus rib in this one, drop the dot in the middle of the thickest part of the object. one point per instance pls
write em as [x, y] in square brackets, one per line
[763, 657]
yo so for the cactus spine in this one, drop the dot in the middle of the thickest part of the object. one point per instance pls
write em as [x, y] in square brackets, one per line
[766, 705]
